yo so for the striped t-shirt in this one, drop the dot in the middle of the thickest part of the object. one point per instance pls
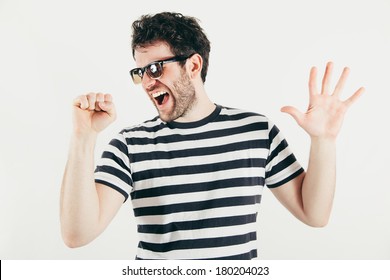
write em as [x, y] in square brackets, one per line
[196, 187]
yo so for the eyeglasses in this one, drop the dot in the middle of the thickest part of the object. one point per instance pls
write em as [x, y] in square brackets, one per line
[153, 69]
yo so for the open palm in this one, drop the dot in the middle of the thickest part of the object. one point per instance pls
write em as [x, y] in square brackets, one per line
[326, 111]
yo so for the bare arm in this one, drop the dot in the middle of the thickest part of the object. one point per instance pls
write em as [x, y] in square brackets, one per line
[310, 196]
[86, 208]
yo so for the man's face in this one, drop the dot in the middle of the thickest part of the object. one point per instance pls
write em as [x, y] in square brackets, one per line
[173, 94]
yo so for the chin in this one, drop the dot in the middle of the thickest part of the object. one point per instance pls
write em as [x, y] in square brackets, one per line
[166, 118]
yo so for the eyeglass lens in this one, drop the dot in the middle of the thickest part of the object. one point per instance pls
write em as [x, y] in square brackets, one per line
[153, 70]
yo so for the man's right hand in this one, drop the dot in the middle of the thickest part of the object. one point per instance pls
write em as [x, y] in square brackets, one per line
[87, 207]
[92, 113]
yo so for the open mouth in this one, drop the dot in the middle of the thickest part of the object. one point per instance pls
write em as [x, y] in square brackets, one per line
[161, 97]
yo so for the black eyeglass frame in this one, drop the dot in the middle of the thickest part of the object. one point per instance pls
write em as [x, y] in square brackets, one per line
[142, 70]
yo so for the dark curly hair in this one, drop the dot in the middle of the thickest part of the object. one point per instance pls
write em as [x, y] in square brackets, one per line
[182, 33]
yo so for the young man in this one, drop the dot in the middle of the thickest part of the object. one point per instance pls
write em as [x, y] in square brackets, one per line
[195, 173]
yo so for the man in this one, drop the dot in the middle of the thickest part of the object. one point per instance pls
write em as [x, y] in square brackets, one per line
[195, 173]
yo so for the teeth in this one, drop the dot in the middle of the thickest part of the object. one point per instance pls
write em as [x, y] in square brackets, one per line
[157, 94]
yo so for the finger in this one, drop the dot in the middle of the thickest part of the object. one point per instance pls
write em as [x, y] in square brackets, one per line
[354, 97]
[103, 100]
[108, 107]
[326, 79]
[91, 100]
[340, 84]
[108, 97]
[313, 81]
[294, 112]
[81, 102]
[99, 99]
[97, 107]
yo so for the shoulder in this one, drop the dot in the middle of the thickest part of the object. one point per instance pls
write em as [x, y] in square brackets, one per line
[235, 113]
[149, 126]
[244, 116]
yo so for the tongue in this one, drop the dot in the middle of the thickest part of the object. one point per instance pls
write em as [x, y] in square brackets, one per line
[160, 98]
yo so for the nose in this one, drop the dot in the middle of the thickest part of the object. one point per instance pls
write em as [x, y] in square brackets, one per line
[148, 82]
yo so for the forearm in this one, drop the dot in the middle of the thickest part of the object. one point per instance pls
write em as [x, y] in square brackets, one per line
[319, 183]
[79, 199]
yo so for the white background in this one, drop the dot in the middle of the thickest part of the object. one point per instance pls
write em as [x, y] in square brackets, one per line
[262, 51]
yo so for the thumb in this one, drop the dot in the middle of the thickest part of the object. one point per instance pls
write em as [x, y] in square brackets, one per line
[294, 112]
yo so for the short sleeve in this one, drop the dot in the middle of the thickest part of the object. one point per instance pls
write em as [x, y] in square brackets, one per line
[281, 165]
[113, 167]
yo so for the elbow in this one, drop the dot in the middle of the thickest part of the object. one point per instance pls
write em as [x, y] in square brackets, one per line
[73, 240]
[72, 244]
[75, 236]
[317, 222]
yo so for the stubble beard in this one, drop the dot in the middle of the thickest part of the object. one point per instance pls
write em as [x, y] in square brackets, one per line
[184, 99]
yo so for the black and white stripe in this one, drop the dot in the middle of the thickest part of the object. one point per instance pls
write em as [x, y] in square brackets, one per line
[196, 187]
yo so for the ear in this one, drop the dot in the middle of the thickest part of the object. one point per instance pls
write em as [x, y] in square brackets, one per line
[194, 66]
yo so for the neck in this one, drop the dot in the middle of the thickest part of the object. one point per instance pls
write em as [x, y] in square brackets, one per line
[201, 108]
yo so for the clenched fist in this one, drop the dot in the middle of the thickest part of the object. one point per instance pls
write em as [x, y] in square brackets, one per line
[92, 113]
